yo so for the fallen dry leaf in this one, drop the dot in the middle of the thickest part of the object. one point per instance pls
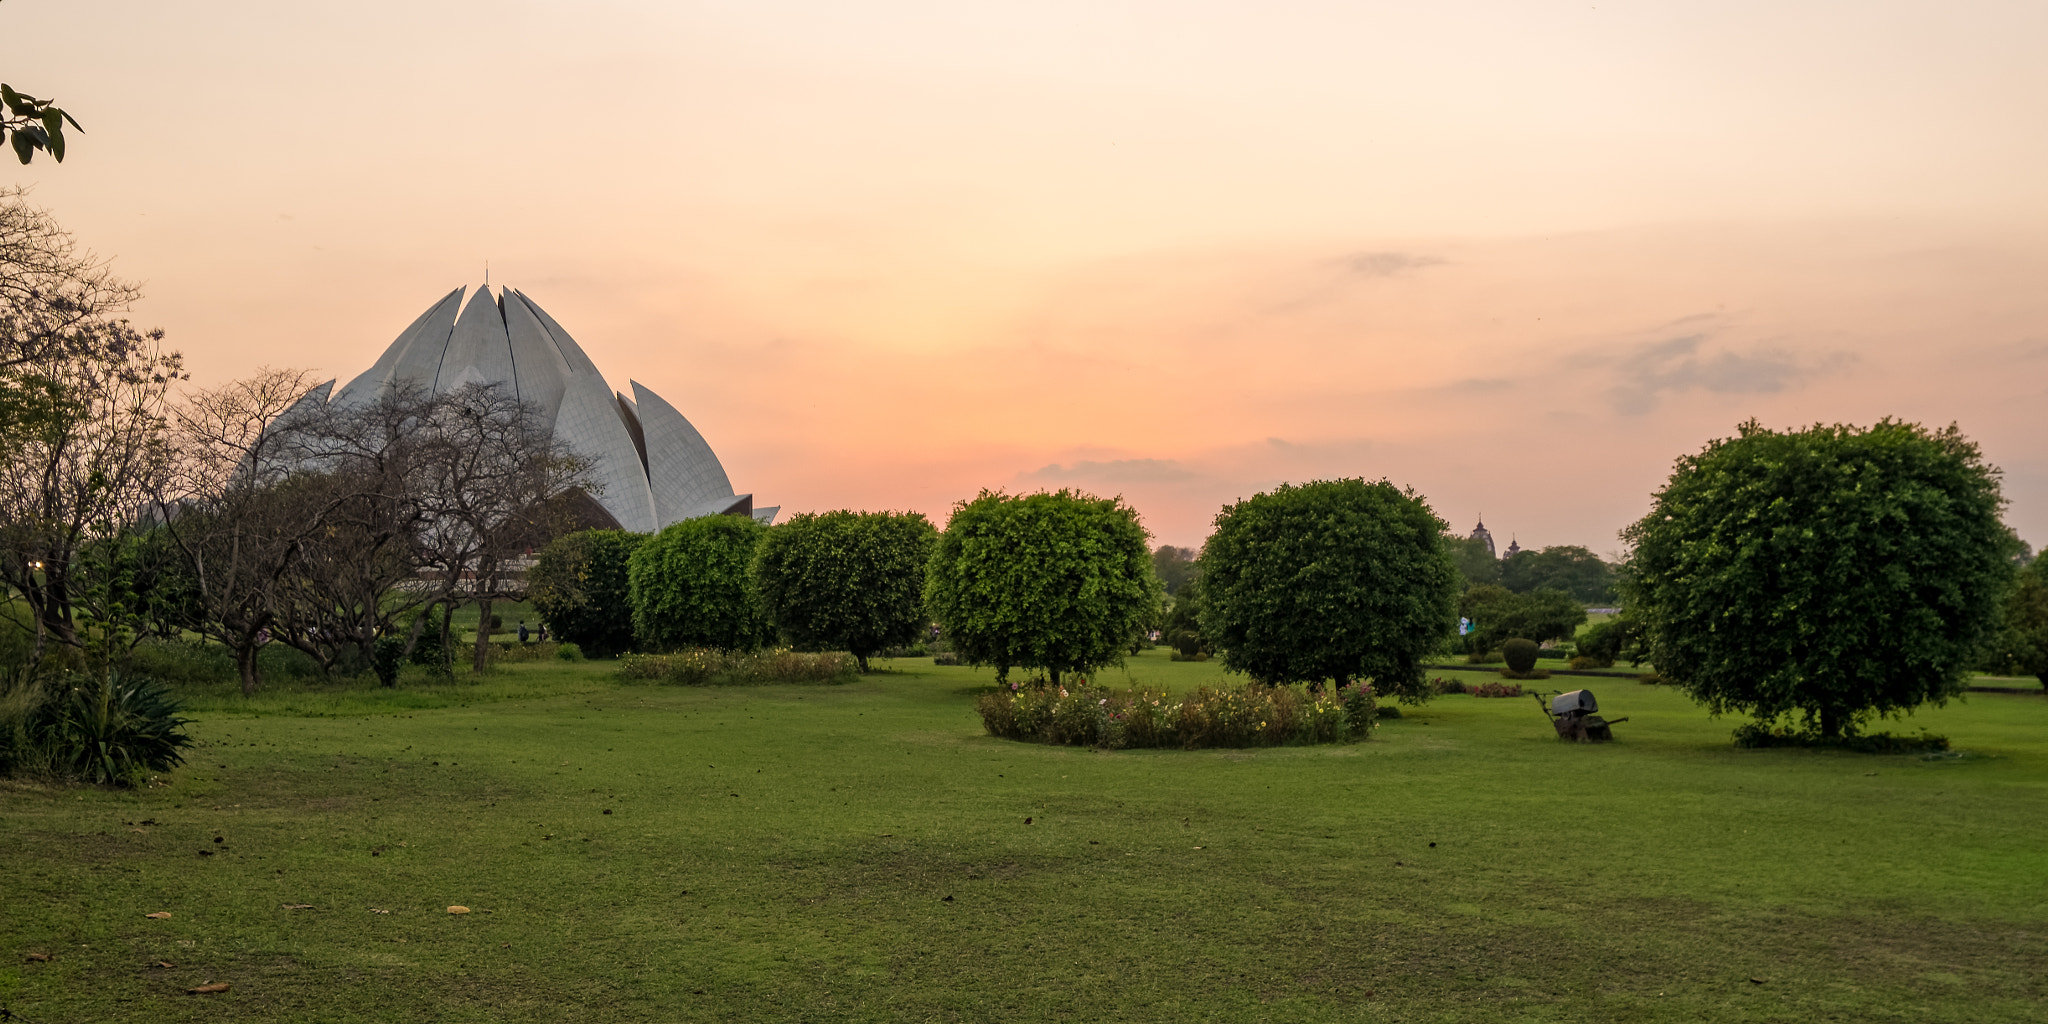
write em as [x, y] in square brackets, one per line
[458, 910]
[375, 910]
[39, 958]
[298, 906]
[208, 989]
[161, 915]
[164, 964]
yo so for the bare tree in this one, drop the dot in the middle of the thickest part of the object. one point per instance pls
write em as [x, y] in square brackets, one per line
[54, 297]
[358, 577]
[496, 478]
[84, 444]
[234, 512]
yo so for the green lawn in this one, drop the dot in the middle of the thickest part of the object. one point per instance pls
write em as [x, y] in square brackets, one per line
[862, 852]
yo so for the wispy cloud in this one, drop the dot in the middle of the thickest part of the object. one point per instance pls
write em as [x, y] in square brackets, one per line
[1683, 363]
[1113, 471]
[1387, 264]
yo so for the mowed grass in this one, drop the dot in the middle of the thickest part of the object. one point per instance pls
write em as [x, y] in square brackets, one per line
[862, 852]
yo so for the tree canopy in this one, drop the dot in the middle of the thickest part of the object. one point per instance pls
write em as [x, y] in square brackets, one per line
[1175, 566]
[1573, 570]
[2020, 644]
[849, 581]
[1836, 572]
[1056, 581]
[1476, 564]
[1334, 579]
[580, 588]
[1499, 615]
[690, 586]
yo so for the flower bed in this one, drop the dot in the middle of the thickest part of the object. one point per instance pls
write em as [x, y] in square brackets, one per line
[1243, 716]
[699, 666]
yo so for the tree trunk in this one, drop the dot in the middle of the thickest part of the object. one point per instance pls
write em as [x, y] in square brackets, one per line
[1830, 724]
[412, 639]
[1055, 673]
[448, 638]
[245, 665]
[483, 635]
[863, 659]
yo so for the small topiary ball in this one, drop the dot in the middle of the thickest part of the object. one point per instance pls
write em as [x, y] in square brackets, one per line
[1520, 655]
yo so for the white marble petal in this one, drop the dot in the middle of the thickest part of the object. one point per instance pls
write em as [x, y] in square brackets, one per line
[651, 467]
[415, 356]
[681, 468]
[542, 373]
[478, 350]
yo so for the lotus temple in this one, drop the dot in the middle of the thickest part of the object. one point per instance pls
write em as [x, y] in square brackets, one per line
[652, 467]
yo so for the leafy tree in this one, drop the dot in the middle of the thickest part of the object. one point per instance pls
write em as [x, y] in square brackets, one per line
[1175, 567]
[1055, 581]
[850, 581]
[1183, 626]
[1334, 579]
[1836, 571]
[1617, 638]
[689, 586]
[1574, 570]
[1476, 565]
[2020, 645]
[1499, 614]
[84, 445]
[580, 587]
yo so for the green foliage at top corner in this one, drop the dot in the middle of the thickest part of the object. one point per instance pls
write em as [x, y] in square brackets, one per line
[1834, 572]
[851, 581]
[581, 586]
[1333, 579]
[33, 124]
[1059, 581]
[689, 586]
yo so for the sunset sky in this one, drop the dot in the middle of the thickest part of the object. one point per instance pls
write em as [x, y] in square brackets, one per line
[1516, 255]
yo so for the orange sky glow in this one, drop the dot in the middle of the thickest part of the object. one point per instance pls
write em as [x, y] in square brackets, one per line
[1518, 256]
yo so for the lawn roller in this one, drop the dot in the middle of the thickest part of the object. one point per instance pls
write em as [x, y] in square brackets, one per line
[1572, 715]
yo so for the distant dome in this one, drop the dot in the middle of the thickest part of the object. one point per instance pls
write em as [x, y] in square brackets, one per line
[653, 466]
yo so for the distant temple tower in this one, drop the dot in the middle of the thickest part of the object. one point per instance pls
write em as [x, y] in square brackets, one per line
[1479, 533]
[1513, 548]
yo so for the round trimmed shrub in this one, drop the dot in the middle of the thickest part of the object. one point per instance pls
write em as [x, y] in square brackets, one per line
[1056, 581]
[1330, 580]
[1520, 655]
[580, 586]
[690, 586]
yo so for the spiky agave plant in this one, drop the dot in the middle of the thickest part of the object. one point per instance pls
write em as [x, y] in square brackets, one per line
[115, 728]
